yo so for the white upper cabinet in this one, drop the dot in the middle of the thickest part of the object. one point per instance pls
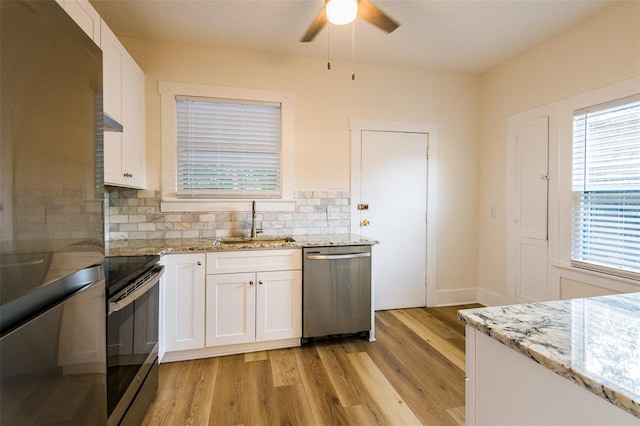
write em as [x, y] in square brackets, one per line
[85, 16]
[123, 91]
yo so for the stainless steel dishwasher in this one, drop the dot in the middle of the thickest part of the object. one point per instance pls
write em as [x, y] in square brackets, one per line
[336, 291]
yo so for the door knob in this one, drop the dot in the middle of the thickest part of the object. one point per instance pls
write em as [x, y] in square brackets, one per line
[365, 222]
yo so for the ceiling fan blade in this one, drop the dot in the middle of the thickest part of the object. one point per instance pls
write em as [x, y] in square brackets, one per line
[372, 14]
[318, 24]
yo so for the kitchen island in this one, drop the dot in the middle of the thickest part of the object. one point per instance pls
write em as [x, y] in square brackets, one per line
[560, 362]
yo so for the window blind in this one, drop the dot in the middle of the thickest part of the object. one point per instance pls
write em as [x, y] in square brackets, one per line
[228, 148]
[606, 187]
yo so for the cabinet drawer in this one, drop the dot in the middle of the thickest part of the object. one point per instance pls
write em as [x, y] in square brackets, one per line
[253, 261]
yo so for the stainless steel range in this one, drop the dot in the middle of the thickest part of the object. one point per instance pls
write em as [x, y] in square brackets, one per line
[132, 336]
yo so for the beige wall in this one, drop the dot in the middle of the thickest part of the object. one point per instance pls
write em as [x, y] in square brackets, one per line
[325, 101]
[595, 53]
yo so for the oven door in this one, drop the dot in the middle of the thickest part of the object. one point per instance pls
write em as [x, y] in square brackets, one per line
[132, 344]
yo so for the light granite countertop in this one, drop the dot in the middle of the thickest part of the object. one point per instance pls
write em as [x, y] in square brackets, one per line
[594, 342]
[195, 245]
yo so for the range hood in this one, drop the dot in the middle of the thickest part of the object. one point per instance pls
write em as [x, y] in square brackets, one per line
[111, 125]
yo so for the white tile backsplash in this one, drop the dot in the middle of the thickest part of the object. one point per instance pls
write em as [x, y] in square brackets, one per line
[135, 214]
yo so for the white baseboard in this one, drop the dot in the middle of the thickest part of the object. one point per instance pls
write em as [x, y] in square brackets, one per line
[490, 298]
[459, 296]
[463, 296]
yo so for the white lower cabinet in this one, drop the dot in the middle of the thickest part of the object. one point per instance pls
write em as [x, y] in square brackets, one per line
[184, 291]
[253, 307]
[250, 300]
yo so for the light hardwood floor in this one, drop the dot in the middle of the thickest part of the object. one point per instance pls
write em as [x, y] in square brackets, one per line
[413, 374]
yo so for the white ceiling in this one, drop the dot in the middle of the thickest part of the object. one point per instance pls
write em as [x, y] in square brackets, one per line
[453, 35]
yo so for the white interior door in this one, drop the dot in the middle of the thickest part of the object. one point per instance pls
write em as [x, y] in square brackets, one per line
[393, 184]
[529, 241]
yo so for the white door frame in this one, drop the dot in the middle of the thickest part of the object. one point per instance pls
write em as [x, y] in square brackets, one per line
[357, 127]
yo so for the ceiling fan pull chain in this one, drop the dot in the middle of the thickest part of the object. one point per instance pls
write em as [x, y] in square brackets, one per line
[329, 47]
[353, 50]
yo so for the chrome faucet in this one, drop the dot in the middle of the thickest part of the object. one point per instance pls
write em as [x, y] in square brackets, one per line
[254, 230]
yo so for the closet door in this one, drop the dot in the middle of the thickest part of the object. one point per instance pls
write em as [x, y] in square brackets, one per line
[528, 207]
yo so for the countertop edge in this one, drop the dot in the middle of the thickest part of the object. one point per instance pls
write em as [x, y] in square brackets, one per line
[596, 387]
[202, 245]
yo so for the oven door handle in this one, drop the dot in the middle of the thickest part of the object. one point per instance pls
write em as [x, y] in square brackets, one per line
[118, 304]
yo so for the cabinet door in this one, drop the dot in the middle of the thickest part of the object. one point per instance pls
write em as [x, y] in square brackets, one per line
[123, 100]
[111, 73]
[231, 307]
[85, 16]
[279, 305]
[184, 302]
[132, 155]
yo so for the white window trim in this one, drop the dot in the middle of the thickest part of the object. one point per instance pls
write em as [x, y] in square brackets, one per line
[560, 194]
[169, 201]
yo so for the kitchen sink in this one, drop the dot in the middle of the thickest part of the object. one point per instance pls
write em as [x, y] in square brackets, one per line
[255, 240]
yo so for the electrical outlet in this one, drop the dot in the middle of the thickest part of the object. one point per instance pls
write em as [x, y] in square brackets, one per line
[493, 212]
[333, 212]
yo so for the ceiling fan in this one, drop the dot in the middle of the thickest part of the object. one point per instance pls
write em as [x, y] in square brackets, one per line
[345, 11]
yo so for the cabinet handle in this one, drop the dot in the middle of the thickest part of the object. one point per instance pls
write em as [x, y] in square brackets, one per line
[199, 263]
[250, 282]
[260, 282]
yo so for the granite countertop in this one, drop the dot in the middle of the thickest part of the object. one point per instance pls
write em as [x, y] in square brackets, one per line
[594, 342]
[195, 245]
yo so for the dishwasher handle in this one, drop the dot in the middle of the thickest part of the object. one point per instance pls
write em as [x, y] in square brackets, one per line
[337, 256]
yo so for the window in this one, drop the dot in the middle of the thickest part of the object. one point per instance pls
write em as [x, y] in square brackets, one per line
[228, 148]
[224, 146]
[605, 231]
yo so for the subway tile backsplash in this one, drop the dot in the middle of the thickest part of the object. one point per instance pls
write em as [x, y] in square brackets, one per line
[135, 214]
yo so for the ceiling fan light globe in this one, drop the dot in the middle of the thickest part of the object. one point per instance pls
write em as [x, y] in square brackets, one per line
[341, 12]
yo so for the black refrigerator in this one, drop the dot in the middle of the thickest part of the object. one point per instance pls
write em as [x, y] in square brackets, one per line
[52, 289]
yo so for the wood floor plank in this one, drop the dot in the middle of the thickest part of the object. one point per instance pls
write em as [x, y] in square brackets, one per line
[291, 406]
[458, 415]
[391, 405]
[407, 355]
[433, 323]
[284, 367]
[194, 406]
[257, 393]
[161, 413]
[226, 405]
[387, 318]
[449, 315]
[323, 399]
[444, 346]
[171, 378]
[365, 414]
[256, 356]
[198, 401]
[344, 379]
[429, 383]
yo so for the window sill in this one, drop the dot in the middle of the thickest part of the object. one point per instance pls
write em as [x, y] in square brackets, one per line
[178, 205]
[596, 278]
